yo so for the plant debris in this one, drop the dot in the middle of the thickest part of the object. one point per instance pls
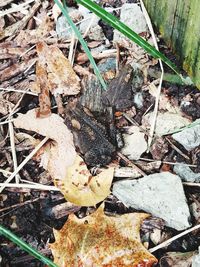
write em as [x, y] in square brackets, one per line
[101, 240]
[79, 165]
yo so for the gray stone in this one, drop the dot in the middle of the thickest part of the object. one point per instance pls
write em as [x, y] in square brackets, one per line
[160, 194]
[63, 29]
[165, 122]
[190, 137]
[133, 17]
[95, 32]
[186, 174]
[196, 260]
[107, 64]
[134, 143]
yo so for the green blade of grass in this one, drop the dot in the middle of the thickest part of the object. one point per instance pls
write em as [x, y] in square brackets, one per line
[8, 234]
[83, 43]
[120, 26]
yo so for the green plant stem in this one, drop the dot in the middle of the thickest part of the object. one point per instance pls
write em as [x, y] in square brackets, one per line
[8, 234]
[83, 43]
[120, 26]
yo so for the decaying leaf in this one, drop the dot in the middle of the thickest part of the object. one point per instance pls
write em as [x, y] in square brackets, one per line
[27, 37]
[61, 76]
[99, 240]
[67, 169]
[62, 153]
[5, 106]
[81, 188]
[43, 87]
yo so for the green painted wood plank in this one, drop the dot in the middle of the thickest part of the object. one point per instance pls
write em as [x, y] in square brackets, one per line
[179, 24]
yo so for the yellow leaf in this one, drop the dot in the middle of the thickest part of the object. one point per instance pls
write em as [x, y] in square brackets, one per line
[99, 240]
[81, 188]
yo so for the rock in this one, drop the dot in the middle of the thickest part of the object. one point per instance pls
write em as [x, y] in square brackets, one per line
[160, 194]
[135, 143]
[133, 17]
[138, 99]
[196, 260]
[108, 64]
[107, 68]
[63, 28]
[186, 174]
[190, 137]
[165, 123]
[95, 31]
[195, 211]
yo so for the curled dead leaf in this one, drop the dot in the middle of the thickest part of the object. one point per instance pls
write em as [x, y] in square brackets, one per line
[61, 153]
[99, 240]
[81, 188]
[68, 170]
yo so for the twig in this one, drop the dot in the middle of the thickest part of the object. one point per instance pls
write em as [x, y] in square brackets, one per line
[191, 184]
[5, 2]
[177, 149]
[13, 150]
[130, 163]
[5, 122]
[10, 89]
[19, 204]
[155, 112]
[104, 54]
[72, 49]
[31, 186]
[16, 8]
[5, 173]
[167, 242]
[169, 162]
[21, 165]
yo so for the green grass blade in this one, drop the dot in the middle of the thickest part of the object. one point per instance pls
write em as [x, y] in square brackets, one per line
[83, 43]
[8, 234]
[120, 26]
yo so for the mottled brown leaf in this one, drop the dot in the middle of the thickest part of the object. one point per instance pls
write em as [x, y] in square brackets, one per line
[61, 76]
[99, 240]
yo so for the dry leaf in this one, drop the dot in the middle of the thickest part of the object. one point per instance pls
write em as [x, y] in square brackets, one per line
[98, 240]
[81, 188]
[62, 153]
[5, 106]
[61, 76]
[43, 87]
[67, 169]
[27, 37]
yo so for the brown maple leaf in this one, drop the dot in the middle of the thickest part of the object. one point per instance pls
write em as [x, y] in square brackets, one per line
[99, 240]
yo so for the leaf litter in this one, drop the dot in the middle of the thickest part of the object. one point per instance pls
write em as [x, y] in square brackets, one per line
[33, 58]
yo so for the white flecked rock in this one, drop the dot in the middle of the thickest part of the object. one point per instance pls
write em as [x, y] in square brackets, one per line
[196, 260]
[133, 17]
[190, 137]
[186, 174]
[160, 194]
[165, 122]
[134, 143]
